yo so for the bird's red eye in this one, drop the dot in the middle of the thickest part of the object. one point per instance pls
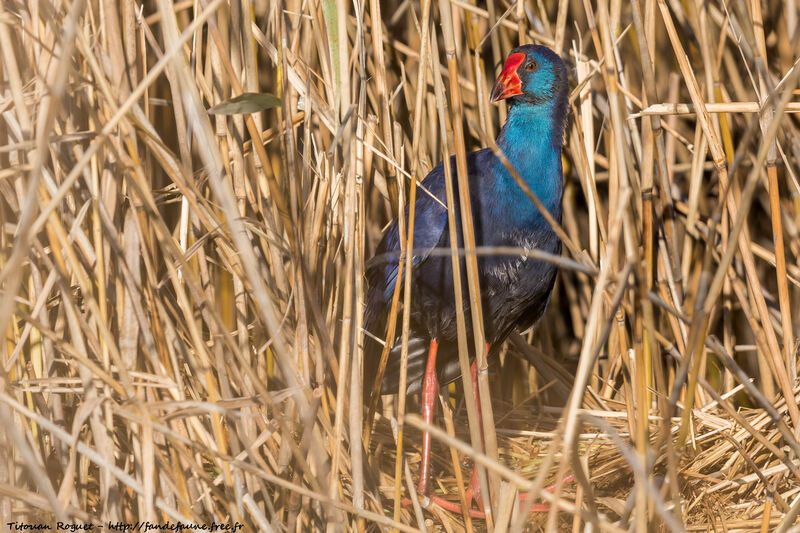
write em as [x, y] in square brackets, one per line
[531, 65]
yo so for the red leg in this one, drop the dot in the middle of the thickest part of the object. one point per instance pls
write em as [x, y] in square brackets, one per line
[474, 373]
[430, 388]
[474, 489]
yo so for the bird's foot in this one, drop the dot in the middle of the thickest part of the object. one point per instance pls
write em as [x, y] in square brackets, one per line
[473, 494]
[545, 507]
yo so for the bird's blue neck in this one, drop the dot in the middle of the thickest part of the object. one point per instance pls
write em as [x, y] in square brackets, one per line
[531, 140]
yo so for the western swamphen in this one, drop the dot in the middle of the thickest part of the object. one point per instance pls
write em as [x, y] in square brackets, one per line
[514, 290]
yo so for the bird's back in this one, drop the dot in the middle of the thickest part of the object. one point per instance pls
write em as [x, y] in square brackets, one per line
[514, 289]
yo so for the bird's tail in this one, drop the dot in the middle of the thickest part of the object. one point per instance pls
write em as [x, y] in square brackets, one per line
[447, 367]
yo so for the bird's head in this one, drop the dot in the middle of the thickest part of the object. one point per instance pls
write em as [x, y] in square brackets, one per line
[532, 75]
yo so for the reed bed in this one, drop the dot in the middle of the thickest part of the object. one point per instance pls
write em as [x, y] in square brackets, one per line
[183, 271]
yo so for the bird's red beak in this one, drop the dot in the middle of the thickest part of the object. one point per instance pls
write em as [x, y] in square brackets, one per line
[508, 83]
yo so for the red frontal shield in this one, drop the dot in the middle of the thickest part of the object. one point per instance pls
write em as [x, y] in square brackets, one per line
[508, 83]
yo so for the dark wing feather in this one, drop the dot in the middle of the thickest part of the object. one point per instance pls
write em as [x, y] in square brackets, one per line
[430, 221]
